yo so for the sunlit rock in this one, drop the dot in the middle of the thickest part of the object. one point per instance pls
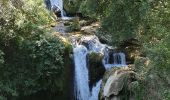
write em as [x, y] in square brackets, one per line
[115, 81]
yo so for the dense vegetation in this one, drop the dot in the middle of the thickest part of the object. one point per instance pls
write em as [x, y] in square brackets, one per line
[141, 28]
[147, 22]
[31, 58]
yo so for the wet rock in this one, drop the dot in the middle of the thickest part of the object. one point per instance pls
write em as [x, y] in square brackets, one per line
[115, 81]
[96, 69]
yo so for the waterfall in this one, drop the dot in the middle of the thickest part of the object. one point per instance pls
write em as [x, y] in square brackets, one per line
[59, 4]
[88, 44]
[81, 88]
[81, 78]
[83, 45]
[95, 91]
[93, 44]
[119, 58]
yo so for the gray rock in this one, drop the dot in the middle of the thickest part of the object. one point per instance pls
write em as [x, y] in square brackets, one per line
[115, 81]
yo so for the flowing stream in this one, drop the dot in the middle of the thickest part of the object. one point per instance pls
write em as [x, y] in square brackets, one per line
[81, 85]
[88, 44]
[81, 48]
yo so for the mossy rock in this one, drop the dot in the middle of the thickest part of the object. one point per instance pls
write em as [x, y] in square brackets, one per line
[96, 68]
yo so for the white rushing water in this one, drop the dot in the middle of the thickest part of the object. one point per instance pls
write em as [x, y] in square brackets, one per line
[95, 91]
[81, 83]
[94, 45]
[81, 80]
[86, 45]
[59, 5]
[119, 58]
[81, 47]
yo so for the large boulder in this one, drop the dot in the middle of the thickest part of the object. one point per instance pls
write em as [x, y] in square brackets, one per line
[96, 68]
[115, 82]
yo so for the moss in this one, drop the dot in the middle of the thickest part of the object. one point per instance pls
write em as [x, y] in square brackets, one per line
[96, 68]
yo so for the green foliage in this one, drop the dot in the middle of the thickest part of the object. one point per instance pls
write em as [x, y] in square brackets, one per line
[19, 14]
[89, 8]
[148, 23]
[93, 9]
[2, 98]
[166, 95]
[72, 6]
[96, 69]
[31, 59]
[44, 53]
[123, 18]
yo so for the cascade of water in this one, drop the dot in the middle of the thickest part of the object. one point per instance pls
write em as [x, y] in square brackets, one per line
[81, 88]
[82, 91]
[59, 5]
[123, 59]
[86, 45]
[95, 91]
[119, 58]
[93, 44]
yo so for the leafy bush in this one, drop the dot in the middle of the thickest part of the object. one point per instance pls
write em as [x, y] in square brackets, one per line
[32, 58]
[123, 18]
[88, 8]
